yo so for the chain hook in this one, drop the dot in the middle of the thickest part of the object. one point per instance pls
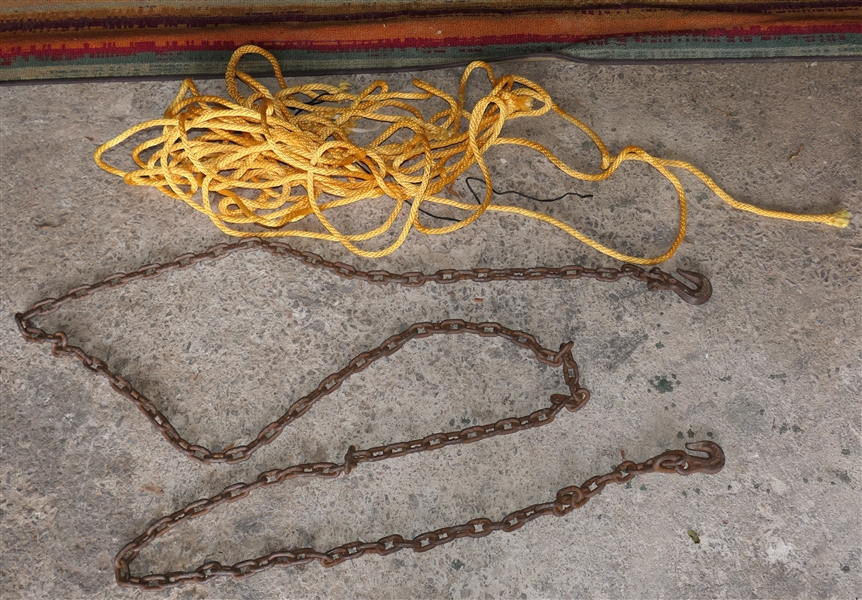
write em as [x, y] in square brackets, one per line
[684, 463]
[698, 295]
[713, 463]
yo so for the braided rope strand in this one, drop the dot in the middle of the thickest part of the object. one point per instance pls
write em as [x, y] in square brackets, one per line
[291, 152]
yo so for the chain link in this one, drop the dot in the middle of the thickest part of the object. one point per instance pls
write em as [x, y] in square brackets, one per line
[655, 279]
[567, 499]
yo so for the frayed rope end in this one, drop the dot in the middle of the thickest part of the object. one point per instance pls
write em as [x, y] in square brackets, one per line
[841, 218]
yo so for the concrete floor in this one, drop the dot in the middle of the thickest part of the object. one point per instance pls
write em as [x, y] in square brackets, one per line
[769, 368]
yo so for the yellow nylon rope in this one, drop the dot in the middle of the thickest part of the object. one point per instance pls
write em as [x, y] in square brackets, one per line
[289, 152]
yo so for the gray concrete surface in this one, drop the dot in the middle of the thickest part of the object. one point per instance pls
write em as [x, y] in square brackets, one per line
[769, 368]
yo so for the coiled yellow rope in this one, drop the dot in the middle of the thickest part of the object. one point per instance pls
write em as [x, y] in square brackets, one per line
[289, 152]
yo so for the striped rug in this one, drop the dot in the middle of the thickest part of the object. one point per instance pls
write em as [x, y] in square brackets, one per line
[97, 38]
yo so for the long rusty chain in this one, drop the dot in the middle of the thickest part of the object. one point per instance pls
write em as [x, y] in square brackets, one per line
[566, 500]
[60, 346]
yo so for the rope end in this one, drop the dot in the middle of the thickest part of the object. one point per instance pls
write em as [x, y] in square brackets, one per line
[840, 219]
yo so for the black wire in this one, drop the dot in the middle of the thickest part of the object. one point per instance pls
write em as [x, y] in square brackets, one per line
[527, 196]
[499, 193]
[320, 98]
[422, 210]
[316, 100]
[425, 212]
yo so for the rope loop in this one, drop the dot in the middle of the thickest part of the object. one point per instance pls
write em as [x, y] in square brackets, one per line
[257, 164]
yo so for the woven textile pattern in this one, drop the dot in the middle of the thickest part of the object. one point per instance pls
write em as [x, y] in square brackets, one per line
[89, 38]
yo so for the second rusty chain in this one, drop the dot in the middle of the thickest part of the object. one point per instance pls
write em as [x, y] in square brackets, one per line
[567, 499]
[655, 279]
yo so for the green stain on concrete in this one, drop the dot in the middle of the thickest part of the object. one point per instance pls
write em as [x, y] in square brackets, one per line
[662, 384]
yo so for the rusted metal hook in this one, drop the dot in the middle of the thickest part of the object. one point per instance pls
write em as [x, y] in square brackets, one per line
[685, 463]
[698, 295]
[713, 463]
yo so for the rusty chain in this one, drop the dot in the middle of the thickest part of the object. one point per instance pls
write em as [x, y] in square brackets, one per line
[566, 500]
[60, 346]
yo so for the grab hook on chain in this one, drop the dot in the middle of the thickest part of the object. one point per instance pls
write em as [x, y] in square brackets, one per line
[699, 294]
